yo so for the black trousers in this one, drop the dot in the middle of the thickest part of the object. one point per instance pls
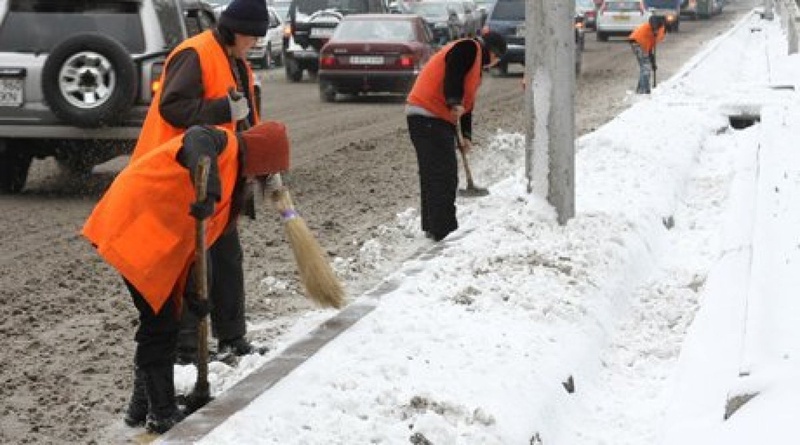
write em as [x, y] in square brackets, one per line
[435, 143]
[226, 293]
[157, 334]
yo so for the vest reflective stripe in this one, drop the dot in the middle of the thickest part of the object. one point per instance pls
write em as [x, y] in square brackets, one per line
[217, 80]
[142, 226]
[428, 90]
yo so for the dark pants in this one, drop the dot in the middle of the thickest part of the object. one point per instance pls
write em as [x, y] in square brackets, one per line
[157, 334]
[435, 142]
[226, 293]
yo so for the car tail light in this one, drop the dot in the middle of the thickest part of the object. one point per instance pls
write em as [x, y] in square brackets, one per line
[406, 61]
[485, 29]
[327, 60]
[155, 77]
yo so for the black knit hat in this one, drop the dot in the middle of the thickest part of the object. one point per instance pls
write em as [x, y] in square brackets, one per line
[494, 42]
[248, 17]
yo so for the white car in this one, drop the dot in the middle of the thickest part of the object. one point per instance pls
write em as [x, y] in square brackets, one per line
[268, 50]
[620, 17]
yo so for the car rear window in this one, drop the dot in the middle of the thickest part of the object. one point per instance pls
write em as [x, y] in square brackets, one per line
[40, 26]
[623, 6]
[513, 10]
[374, 31]
[309, 7]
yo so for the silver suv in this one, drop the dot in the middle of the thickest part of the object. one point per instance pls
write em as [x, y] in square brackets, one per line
[77, 77]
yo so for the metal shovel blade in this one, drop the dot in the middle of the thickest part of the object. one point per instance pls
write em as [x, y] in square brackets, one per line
[473, 192]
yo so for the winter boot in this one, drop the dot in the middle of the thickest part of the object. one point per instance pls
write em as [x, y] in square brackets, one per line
[239, 346]
[137, 407]
[160, 386]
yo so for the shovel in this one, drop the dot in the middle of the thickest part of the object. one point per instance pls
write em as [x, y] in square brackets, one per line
[200, 396]
[472, 190]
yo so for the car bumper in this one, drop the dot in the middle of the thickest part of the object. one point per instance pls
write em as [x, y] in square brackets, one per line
[514, 54]
[389, 81]
[257, 53]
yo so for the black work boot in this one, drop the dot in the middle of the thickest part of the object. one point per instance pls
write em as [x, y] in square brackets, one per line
[137, 407]
[239, 346]
[160, 386]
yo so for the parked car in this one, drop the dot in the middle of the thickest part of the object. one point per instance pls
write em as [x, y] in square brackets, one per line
[669, 9]
[507, 18]
[441, 19]
[702, 9]
[587, 10]
[311, 23]
[620, 17]
[374, 53]
[77, 78]
[484, 8]
[268, 50]
[468, 16]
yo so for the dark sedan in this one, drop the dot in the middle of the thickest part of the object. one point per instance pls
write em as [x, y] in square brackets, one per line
[373, 53]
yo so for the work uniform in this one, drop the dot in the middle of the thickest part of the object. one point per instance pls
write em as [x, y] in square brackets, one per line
[643, 42]
[196, 82]
[451, 77]
[143, 228]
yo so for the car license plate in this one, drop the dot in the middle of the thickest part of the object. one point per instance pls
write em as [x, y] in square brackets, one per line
[622, 17]
[321, 32]
[366, 60]
[521, 31]
[10, 92]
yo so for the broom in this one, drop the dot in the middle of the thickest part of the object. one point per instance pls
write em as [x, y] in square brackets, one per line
[316, 274]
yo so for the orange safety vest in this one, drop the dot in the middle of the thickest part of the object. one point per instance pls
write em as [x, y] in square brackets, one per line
[643, 36]
[217, 80]
[428, 90]
[142, 226]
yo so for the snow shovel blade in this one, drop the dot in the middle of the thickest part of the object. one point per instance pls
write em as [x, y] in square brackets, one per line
[198, 398]
[473, 192]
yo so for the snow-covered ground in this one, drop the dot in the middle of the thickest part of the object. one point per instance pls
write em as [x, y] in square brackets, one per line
[672, 291]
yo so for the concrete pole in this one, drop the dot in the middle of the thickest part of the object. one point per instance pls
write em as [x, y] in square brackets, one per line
[550, 103]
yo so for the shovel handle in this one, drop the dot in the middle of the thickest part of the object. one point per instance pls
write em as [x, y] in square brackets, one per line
[461, 145]
[201, 279]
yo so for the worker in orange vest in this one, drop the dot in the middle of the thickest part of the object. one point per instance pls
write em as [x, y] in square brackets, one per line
[144, 227]
[198, 77]
[643, 41]
[443, 94]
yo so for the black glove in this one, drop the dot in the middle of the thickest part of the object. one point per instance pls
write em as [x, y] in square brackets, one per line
[196, 306]
[202, 209]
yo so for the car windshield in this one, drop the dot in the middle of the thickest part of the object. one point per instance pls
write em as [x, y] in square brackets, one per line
[374, 31]
[584, 4]
[429, 9]
[513, 10]
[622, 6]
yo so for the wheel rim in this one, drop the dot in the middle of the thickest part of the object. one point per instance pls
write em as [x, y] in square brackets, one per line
[86, 80]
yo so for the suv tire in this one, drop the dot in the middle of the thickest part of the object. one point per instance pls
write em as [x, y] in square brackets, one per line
[293, 70]
[107, 79]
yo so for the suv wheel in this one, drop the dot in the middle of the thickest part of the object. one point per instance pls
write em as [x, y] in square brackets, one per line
[14, 165]
[293, 70]
[89, 80]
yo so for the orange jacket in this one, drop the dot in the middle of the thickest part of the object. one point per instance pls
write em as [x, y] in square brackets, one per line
[428, 90]
[142, 226]
[643, 36]
[217, 80]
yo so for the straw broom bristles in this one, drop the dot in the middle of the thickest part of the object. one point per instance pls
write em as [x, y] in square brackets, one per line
[316, 274]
